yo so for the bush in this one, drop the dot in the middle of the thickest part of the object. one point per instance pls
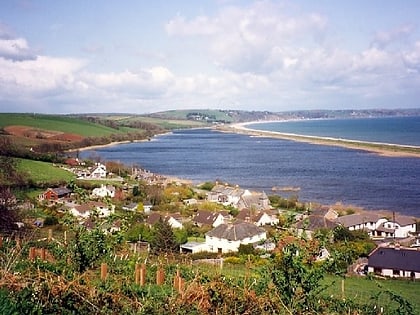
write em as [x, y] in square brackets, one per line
[50, 220]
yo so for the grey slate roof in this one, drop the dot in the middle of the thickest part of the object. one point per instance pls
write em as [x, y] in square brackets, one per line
[397, 259]
[235, 232]
[357, 218]
[61, 191]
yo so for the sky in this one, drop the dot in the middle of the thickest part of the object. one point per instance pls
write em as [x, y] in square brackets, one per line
[140, 56]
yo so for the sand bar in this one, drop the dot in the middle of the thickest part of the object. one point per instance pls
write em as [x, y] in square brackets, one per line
[384, 149]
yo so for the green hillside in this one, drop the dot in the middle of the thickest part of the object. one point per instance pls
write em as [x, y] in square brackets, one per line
[43, 172]
[56, 123]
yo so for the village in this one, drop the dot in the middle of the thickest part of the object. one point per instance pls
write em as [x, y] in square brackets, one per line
[220, 218]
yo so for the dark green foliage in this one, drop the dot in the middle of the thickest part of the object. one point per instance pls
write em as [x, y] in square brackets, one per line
[207, 186]
[246, 249]
[87, 247]
[164, 240]
[50, 220]
[297, 282]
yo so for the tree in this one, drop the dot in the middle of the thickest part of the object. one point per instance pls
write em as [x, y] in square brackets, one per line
[164, 240]
[9, 214]
[296, 281]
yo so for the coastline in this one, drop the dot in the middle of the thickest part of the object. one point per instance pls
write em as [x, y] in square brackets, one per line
[383, 149]
[98, 146]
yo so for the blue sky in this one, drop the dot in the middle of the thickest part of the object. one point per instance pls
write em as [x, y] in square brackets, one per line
[138, 56]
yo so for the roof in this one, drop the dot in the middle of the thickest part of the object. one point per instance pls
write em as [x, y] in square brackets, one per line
[403, 220]
[206, 217]
[315, 222]
[357, 218]
[235, 232]
[398, 259]
[61, 191]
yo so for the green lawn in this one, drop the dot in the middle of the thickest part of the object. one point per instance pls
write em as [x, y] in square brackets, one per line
[43, 172]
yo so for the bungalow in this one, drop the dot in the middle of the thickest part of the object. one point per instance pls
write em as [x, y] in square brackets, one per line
[104, 191]
[87, 209]
[361, 221]
[228, 237]
[395, 262]
[208, 218]
[55, 193]
[379, 226]
[258, 218]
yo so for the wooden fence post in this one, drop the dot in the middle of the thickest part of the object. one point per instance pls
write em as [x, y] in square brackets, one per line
[160, 276]
[43, 254]
[143, 274]
[178, 282]
[50, 234]
[32, 253]
[104, 270]
[137, 274]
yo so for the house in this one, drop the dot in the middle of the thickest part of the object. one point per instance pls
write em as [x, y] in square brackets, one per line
[104, 191]
[312, 223]
[55, 193]
[259, 218]
[257, 201]
[174, 219]
[228, 237]
[99, 171]
[226, 195]
[399, 226]
[208, 218]
[379, 226]
[361, 221]
[326, 212]
[395, 262]
[85, 210]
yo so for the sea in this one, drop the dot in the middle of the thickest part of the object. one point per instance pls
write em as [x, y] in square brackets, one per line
[317, 173]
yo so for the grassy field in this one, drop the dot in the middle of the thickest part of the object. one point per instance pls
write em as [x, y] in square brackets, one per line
[362, 289]
[57, 123]
[167, 123]
[43, 172]
[358, 289]
[182, 114]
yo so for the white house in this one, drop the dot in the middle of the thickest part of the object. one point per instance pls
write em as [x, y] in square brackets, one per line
[99, 171]
[227, 237]
[227, 195]
[85, 210]
[104, 191]
[379, 226]
[401, 226]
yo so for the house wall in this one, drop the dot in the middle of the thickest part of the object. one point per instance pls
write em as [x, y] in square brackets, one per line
[214, 243]
[395, 274]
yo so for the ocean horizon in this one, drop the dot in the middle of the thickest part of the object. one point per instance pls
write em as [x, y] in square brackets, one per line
[324, 174]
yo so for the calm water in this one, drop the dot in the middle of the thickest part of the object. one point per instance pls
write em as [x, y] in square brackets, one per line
[398, 130]
[325, 174]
